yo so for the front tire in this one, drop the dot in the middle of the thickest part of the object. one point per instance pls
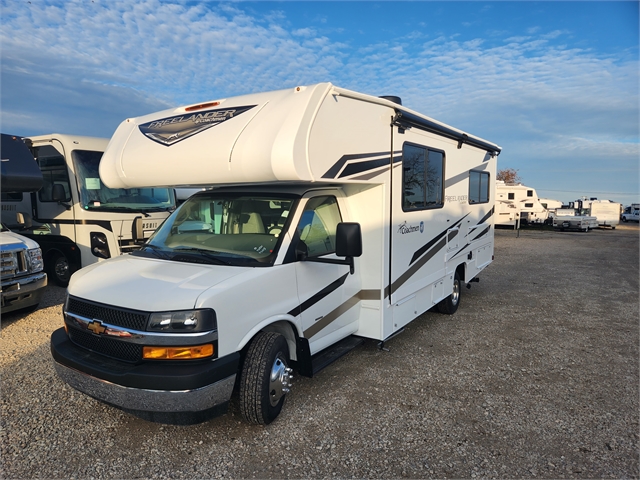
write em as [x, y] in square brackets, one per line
[265, 378]
[450, 304]
[60, 269]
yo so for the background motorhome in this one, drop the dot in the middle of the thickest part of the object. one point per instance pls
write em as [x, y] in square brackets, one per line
[550, 204]
[606, 211]
[631, 213]
[74, 217]
[338, 216]
[23, 278]
[515, 202]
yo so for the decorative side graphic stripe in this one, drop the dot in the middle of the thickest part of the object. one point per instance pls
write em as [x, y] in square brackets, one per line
[481, 234]
[318, 296]
[335, 313]
[335, 169]
[431, 242]
[487, 216]
[360, 167]
[413, 269]
[106, 224]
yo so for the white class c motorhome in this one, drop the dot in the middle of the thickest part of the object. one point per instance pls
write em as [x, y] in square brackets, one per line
[338, 216]
[518, 202]
[74, 217]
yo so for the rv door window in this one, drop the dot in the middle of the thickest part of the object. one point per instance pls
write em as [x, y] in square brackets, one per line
[422, 178]
[479, 187]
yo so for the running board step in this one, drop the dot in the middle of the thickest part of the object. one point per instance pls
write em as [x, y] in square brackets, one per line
[330, 354]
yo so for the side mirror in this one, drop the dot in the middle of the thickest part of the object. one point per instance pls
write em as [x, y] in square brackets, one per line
[58, 194]
[137, 235]
[348, 240]
[302, 252]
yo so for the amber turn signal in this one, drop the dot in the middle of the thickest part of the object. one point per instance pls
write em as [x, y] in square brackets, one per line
[178, 353]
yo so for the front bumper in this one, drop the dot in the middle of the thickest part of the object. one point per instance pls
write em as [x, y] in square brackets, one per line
[22, 292]
[145, 387]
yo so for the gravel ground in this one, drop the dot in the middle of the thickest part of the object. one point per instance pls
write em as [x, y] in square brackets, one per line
[536, 375]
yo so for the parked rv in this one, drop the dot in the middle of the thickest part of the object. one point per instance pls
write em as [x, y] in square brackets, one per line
[631, 213]
[75, 218]
[338, 217]
[518, 202]
[606, 211]
[23, 278]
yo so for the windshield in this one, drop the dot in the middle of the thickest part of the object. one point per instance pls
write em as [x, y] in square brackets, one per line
[96, 196]
[223, 228]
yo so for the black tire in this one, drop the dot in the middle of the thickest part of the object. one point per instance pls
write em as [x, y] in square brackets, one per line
[624, 219]
[265, 378]
[59, 269]
[450, 304]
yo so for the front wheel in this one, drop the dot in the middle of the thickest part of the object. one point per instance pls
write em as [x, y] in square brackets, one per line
[60, 269]
[265, 379]
[450, 304]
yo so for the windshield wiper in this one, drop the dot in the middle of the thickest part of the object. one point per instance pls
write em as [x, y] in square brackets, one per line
[209, 254]
[160, 253]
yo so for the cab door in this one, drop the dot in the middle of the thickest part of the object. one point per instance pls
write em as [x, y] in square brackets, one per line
[329, 307]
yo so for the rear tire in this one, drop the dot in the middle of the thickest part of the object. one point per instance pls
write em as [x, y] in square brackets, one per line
[265, 378]
[450, 304]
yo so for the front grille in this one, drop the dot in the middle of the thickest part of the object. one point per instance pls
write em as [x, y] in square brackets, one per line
[128, 352]
[13, 262]
[131, 319]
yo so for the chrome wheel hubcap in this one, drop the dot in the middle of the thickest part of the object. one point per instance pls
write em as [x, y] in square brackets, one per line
[455, 296]
[62, 268]
[279, 381]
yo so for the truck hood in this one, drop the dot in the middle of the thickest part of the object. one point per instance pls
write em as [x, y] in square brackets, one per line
[148, 284]
[11, 240]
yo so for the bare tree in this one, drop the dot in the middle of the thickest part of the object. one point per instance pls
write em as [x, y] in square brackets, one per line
[509, 175]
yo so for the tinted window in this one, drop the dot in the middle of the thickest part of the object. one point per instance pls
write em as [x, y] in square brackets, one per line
[318, 224]
[529, 193]
[54, 171]
[512, 196]
[12, 197]
[479, 187]
[422, 178]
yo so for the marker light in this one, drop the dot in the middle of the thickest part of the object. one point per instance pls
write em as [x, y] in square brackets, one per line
[201, 106]
[178, 353]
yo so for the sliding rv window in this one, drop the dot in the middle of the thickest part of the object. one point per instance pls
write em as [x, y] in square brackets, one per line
[422, 178]
[479, 187]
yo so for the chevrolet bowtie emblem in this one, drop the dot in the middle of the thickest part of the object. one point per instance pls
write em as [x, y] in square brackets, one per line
[96, 327]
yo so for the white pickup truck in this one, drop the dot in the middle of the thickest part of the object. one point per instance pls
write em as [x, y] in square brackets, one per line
[630, 214]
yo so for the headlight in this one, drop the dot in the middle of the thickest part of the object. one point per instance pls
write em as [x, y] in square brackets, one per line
[183, 321]
[35, 260]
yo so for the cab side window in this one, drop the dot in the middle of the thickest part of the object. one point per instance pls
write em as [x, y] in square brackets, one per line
[54, 170]
[318, 223]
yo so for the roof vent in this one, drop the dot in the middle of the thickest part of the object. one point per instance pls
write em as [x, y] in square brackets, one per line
[392, 98]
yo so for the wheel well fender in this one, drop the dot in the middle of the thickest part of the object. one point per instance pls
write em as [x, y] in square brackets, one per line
[284, 325]
[461, 270]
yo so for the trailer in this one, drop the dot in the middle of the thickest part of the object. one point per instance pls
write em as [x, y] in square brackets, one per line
[606, 211]
[23, 277]
[74, 217]
[336, 217]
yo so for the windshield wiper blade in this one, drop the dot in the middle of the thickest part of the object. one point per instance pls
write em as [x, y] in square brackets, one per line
[160, 253]
[209, 254]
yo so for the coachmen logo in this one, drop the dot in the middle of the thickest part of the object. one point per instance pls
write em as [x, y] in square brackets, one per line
[96, 327]
[405, 228]
[171, 130]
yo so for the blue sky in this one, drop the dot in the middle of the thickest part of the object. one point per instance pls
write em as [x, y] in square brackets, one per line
[554, 83]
